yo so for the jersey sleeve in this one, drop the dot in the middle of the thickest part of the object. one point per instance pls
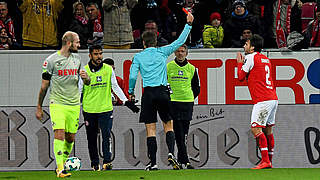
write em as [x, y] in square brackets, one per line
[169, 49]
[134, 70]
[248, 63]
[47, 67]
[116, 89]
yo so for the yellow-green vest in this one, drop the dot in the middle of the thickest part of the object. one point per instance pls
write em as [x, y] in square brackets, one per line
[179, 79]
[97, 95]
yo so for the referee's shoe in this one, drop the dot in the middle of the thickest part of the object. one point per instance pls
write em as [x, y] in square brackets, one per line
[173, 162]
[150, 167]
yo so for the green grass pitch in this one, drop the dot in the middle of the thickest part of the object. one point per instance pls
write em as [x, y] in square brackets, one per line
[197, 174]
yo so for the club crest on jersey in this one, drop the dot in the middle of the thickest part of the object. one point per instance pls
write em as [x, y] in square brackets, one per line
[180, 73]
[59, 64]
[45, 63]
[99, 78]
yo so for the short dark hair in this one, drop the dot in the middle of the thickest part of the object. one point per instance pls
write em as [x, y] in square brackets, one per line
[149, 38]
[150, 21]
[257, 42]
[93, 47]
[185, 47]
[108, 61]
[93, 4]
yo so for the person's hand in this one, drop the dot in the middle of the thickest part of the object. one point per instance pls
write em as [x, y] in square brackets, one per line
[89, 41]
[240, 58]
[132, 97]
[83, 74]
[190, 18]
[131, 105]
[39, 113]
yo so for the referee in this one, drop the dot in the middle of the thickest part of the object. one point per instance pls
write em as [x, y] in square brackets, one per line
[184, 82]
[151, 63]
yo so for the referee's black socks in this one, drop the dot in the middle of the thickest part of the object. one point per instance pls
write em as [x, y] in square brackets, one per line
[152, 149]
[170, 139]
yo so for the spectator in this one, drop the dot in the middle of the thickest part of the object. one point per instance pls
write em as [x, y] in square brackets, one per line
[5, 41]
[95, 24]
[193, 6]
[117, 24]
[152, 27]
[286, 19]
[224, 8]
[312, 33]
[16, 16]
[168, 21]
[40, 23]
[144, 11]
[235, 25]
[246, 35]
[79, 24]
[7, 23]
[267, 21]
[255, 8]
[116, 100]
[213, 34]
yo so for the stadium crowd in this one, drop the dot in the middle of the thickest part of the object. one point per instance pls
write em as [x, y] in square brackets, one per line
[118, 24]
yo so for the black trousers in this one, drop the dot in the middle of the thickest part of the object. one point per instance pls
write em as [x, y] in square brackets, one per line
[181, 130]
[94, 122]
[181, 113]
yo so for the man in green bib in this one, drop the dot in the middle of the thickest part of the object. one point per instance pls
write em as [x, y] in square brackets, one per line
[184, 82]
[61, 71]
[98, 108]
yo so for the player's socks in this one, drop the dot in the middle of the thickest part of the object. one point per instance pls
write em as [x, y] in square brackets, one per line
[263, 145]
[170, 140]
[152, 149]
[270, 139]
[58, 147]
[67, 150]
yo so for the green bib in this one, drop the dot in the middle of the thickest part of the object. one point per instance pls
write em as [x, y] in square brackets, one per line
[97, 95]
[180, 81]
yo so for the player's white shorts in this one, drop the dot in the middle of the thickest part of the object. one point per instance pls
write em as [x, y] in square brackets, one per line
[264, 113]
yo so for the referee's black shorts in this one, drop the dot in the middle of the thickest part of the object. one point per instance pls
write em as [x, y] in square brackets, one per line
[155, 99]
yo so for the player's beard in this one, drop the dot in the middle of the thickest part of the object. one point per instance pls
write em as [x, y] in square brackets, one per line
[72, 49]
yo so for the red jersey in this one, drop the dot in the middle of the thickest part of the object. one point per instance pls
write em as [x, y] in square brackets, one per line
[260, 83]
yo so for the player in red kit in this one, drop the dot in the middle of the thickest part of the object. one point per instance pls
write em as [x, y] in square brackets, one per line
[256, 67]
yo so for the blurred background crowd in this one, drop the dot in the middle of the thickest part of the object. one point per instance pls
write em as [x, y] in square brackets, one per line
[118, 24]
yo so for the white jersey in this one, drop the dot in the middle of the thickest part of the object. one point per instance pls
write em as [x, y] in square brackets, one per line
[64, 73]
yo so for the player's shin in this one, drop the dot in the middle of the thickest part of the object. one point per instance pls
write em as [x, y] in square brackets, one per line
[270, 139]
[170, 140]
[263, 145]
[58, 147]
[67, 150]
[152, 149]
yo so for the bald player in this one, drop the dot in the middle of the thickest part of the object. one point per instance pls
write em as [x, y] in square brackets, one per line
[61, 71]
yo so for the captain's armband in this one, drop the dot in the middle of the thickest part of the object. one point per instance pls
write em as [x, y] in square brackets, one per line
[46, 76]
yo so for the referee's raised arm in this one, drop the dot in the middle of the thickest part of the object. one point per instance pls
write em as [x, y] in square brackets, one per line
[169, 49]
